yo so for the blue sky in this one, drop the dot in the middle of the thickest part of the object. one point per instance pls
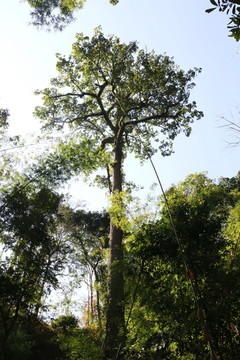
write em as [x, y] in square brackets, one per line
[180, 29]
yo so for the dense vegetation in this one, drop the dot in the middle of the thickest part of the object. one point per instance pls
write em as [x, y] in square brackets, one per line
[180, 269]
[110, 95]
[157, 287]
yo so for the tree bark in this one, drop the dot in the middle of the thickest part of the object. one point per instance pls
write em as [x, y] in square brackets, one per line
[115, 324]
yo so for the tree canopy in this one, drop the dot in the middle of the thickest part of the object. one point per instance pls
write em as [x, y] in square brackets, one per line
[108, 82]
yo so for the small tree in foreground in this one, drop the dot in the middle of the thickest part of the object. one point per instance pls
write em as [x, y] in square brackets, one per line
[118, 99]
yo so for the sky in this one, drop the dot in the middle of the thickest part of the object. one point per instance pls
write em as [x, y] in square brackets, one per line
[180, 29]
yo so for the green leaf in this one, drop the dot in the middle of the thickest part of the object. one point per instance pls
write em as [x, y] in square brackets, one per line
[214, 2]
[210, 10]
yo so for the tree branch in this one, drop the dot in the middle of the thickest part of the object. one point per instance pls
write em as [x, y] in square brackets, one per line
[109, 140]
[148, 118]
[85, 117]
[73, 94]
[105, 114]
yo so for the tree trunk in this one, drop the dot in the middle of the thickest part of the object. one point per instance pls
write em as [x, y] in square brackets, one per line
[1, 354]
[91, 298]
[115, 324]
[41, 287]
[99, 313]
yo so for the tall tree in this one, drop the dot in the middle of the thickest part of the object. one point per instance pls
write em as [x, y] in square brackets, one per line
[118, 99]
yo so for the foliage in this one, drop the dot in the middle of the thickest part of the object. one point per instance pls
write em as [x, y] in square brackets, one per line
[118, 209]
[231, 7]
[65, 323]
[7, 143]
[69, 157]
[33, 339]
[4, 114]
[205, 254]
[31, 253]
[55, 14]
[88, 233]
[106, 82]
[19, 346]
[75, 342]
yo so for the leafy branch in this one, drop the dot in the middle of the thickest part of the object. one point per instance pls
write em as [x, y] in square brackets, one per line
[232, 8]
